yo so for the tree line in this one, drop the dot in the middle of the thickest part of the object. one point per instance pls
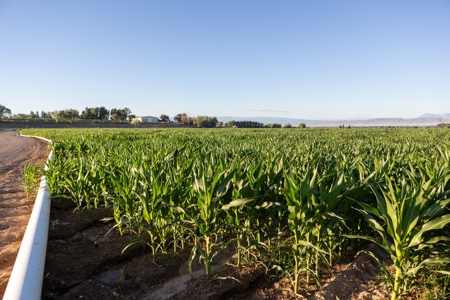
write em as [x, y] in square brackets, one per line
[68, 115]
[125, 114]
[212, 122]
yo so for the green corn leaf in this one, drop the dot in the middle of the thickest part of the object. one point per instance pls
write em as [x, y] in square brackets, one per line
[412, 215]
[429, 261]
[435, 209]
[238, 202]
[434, 224]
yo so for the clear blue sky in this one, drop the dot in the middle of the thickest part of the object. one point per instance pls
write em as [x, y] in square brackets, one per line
[298, 59]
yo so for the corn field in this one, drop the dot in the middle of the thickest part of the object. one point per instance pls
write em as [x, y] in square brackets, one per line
[321, 189]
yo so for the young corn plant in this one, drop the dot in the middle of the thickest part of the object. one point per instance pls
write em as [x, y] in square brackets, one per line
[239, 221]
[210, 186]
[31, 179]
[54, 175]
[247, 188]
[125, 204]
[75, 183]
[179, 174]
[405, 222]
[299, 193]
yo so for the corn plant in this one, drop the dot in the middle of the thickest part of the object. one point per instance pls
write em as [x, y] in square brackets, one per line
[209, 187]
[405, 221]
[31, 179]
[299, 190]
[213, 186]
[239, 222]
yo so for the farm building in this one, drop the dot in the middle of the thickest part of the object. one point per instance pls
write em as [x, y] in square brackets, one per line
[148, 119]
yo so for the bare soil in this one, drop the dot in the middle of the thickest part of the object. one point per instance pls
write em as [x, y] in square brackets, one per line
[84, 261]
[15, 207]
[85, 257]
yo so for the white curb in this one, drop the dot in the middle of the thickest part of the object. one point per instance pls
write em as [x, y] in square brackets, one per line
[27, 275]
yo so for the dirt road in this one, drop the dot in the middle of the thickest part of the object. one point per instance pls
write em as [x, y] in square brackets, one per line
[15, 208]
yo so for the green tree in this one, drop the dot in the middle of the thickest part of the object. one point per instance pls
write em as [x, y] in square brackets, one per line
[273, 125]
[46, 114]
[126, 111]
[164, 118]
[32, 115]
[103, 113]
[66, 115]
[95, 113]
[122, 114]
[247, 124]
[230, 123]
[131, 117]
[86, 114]
[21, 116]
[4, 111]
[180, 117]
[302, 125]
[205, 121]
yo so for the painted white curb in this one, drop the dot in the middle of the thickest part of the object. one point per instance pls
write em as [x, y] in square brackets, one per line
[27, 275]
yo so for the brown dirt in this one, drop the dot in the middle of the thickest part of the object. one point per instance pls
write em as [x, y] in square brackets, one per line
[84, 262]
[15, 207]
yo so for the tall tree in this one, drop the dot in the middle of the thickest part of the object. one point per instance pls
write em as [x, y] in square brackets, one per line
[46, 114]
[4, 111]
[164, 118]
[86, 114]
[126, 111]
[121, 113]
[205, 121]
[103, 113]
[66, 115]
[21, 116]
[96, 113]
[180, 117]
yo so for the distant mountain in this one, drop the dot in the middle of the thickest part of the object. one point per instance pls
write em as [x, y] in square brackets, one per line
[427, 115]
[423, 121]
[267, 120]
[383, 122]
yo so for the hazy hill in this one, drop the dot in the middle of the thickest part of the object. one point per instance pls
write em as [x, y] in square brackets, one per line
[267, 120]
[422, 121]
[428, 115]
